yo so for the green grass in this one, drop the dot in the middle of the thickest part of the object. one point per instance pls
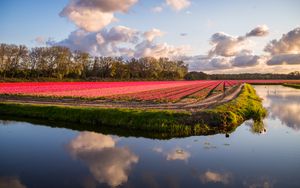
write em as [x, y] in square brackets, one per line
[126, 118]
[246, 106]
[220, 119]
[296, 86]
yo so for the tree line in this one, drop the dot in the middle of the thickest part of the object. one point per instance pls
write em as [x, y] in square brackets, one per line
[18, 61]
[243, 76]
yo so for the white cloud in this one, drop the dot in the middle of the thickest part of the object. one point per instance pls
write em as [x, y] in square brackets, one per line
[178, 5]
[121, 34]
[242, 60]
[105, 43]
[286, 50]
[90, 20]
[259, 31]
[157, 9]
[220, 63]
[83, 41]
[147, 48]
[106, 162]
[260, 68]
[152, 34]
[94, 15]
[196, 63]
[246, 59]
[226, 45]
[229, 52]
[288, 44]
[289, 59]
[105, 5]
[121, 41]
[204, 63]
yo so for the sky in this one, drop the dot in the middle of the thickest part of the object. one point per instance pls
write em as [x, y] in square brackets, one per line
[216, 36]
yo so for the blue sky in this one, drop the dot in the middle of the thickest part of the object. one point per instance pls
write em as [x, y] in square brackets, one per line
[23, 21]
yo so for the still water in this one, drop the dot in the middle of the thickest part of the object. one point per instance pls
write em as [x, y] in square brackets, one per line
[34, 155]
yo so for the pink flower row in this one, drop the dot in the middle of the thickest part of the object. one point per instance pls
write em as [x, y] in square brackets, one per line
[171, 94]
[88, 89]
[46, 87]
[148, 90]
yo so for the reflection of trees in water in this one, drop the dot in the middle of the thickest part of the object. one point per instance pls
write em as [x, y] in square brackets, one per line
[107, 163]
[257, 127]
[7, 122]
[286, 108]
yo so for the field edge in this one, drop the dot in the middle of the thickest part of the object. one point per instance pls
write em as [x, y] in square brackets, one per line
[296, 86]
[223, 118]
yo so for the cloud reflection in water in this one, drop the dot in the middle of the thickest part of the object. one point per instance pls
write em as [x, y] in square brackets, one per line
[107, 163]
[174, 154]
[216, 177]
[286, 108]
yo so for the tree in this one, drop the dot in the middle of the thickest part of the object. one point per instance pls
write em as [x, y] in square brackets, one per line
[3, 59]
[196, 76]
[13, 59]
[119, 70]
[134, 68]
[81, 64]
[23, 61]
[62, 61]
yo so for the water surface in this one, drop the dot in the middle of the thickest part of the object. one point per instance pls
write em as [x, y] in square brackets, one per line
[41, 156]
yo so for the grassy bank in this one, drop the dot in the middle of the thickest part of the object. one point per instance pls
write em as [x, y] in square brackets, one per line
[296, 86]
[222, 118]
[246, 106]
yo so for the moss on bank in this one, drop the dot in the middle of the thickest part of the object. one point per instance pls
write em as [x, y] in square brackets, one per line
[296, 86]
[246, 106]
[223, 118]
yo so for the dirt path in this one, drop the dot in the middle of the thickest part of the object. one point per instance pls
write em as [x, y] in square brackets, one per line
[217, 99]
[178, 106]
